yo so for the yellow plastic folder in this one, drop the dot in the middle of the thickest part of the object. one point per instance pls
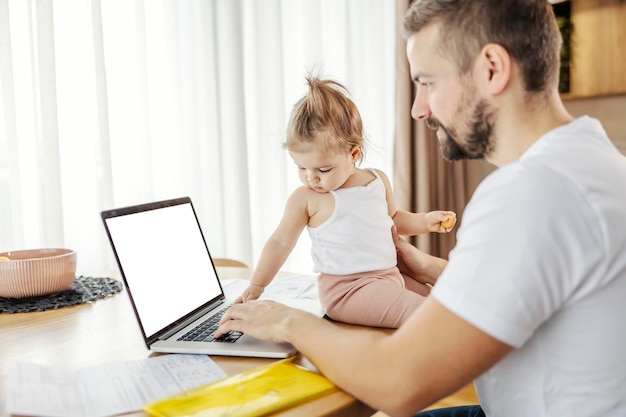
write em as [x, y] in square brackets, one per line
[256, 392]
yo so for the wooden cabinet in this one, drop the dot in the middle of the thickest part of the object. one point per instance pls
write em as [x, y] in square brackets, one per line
[598, 64]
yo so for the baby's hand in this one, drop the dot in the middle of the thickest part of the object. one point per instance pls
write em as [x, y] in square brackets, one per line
[440, 221]
[449, 223]
[251, 293]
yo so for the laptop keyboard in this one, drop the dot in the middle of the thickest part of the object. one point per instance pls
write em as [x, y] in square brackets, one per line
[204, 331]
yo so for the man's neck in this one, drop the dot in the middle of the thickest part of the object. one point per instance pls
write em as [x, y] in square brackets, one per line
[522, 125]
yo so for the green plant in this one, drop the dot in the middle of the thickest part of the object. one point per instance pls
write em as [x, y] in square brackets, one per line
[566, 27]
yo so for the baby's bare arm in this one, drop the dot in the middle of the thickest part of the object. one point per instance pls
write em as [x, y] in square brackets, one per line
[279, 245]
[411, 224]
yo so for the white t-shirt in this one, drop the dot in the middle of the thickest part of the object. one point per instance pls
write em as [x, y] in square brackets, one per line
[540, 264]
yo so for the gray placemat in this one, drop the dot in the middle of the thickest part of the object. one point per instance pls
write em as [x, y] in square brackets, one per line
[84, 290]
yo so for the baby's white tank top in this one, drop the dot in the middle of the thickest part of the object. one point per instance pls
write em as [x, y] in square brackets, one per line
[357, 236]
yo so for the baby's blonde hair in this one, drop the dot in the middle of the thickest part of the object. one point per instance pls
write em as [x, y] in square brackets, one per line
[325, 117]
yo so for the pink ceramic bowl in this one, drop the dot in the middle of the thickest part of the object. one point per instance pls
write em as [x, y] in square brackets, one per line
[35, 272]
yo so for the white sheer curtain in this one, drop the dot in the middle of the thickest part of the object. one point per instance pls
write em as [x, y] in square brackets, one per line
[109, 103]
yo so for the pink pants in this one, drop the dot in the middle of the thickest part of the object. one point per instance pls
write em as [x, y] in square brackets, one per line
[383, 298]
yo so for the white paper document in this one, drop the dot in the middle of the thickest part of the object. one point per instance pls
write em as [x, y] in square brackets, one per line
[106, 389]
[288, 287]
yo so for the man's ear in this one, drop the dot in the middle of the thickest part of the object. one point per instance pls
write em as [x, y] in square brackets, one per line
[495, 69]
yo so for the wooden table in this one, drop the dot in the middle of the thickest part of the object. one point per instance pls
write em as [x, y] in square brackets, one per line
[106, 331]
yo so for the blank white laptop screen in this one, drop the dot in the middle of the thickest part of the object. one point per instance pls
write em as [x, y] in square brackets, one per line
[172, 282]
[165, 263]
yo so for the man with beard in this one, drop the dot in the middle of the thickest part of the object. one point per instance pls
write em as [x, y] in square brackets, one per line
[531, 302]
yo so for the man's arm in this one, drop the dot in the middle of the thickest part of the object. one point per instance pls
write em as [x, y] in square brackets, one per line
[432, 355]
[421, 266]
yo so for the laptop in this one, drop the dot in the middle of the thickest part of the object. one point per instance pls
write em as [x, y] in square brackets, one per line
[172, 282]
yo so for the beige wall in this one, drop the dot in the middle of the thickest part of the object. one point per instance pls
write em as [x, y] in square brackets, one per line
[610, 110]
